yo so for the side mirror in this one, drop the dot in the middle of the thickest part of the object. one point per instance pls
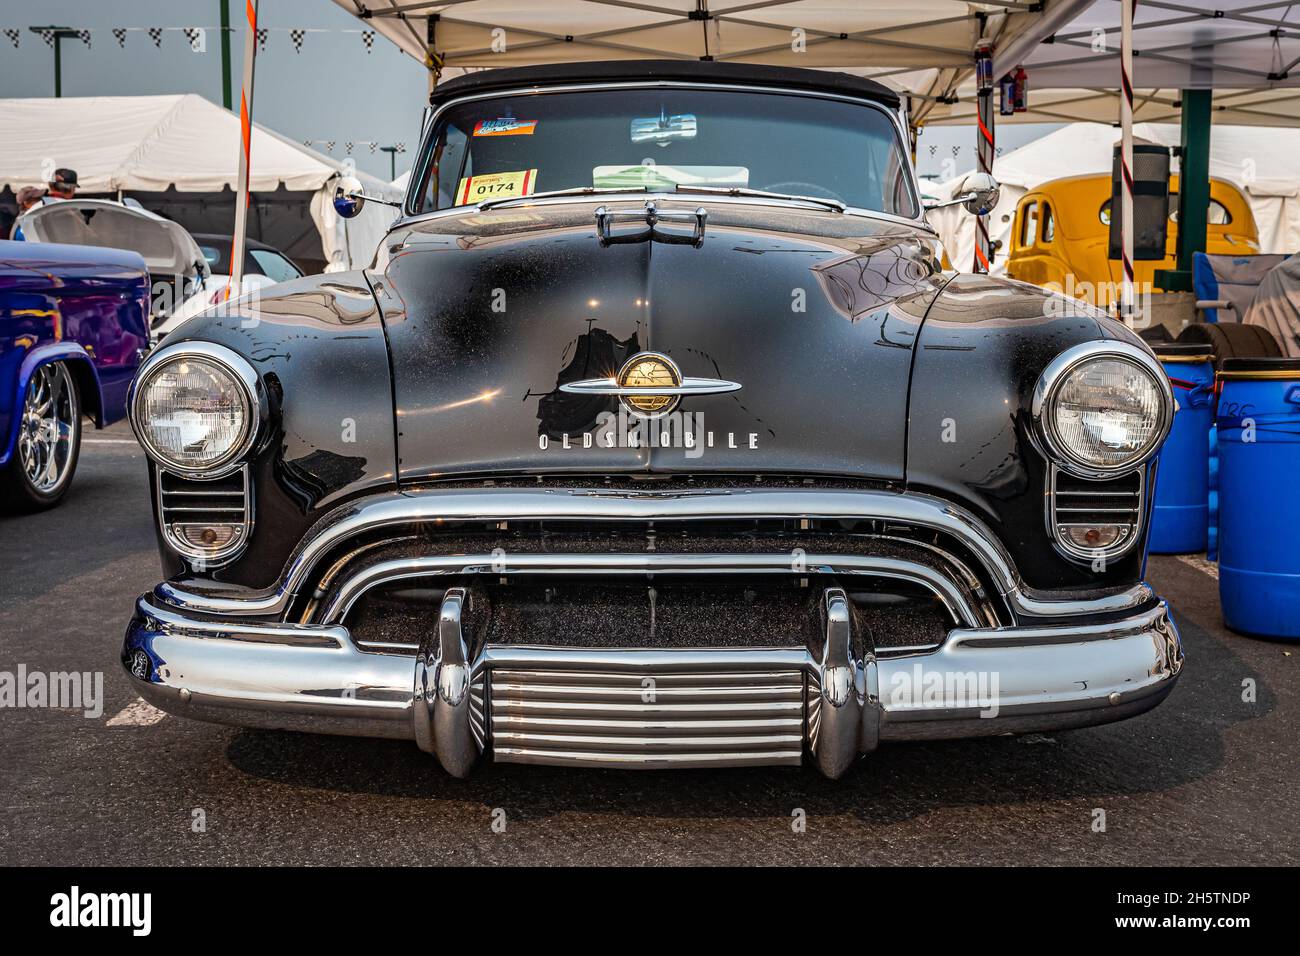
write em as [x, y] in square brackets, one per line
[980, 192]
[348, 197]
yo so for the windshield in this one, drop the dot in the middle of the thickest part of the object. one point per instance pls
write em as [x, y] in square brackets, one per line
[513, 146]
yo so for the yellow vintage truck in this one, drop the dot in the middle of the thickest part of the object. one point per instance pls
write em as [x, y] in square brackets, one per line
[1060, 235]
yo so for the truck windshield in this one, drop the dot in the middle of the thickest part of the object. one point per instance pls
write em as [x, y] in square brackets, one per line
[513, 146]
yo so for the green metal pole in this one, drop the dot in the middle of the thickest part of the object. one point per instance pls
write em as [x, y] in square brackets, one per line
[58, 65]
[1193, 176]
[227, 99]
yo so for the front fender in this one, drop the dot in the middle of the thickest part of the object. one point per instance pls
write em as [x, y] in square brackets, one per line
[318, 348]
[84, 373]
[981, 350]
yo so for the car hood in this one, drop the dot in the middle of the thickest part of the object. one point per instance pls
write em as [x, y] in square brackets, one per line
[165, 245]
[814, 313]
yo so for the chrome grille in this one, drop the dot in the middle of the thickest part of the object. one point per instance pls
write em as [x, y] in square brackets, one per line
[728, 716]
[1084, 502]
[187, 506]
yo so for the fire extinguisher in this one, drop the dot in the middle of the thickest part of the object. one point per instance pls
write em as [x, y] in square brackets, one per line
[984, 67]
[1022, 90]
[1007, 94]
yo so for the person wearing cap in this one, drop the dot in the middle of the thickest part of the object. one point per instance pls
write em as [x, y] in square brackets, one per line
[62, 185]
[28, 197]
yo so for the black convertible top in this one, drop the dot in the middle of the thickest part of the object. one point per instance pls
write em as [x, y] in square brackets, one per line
[706, 71]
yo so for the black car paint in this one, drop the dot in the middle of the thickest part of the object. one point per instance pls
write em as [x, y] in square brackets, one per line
[814, 313]
[859, 386]
[318, 348]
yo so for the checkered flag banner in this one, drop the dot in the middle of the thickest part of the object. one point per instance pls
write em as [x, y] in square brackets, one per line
[155, 34]
[261, 39]
[119, 34]
[329, 145]
[347, 147]
[192, 34]
[373, 146]
[48, 37]
[368, 38]
[84, 37]
[400, 147]
[296, 36]
[13, 35]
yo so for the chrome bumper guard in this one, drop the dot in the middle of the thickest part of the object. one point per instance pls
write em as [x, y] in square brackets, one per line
[651, 708]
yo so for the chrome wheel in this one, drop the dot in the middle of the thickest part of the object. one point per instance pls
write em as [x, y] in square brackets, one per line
[47, 433]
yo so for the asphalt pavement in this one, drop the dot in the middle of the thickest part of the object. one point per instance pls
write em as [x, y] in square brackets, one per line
[1212, 776]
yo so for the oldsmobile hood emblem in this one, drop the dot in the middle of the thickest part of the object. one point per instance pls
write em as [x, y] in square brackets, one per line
[650, 385]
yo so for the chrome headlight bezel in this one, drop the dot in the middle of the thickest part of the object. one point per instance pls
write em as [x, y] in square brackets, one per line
[1058, 372]
[240, 372]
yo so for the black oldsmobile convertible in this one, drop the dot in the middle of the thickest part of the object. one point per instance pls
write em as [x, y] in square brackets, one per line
[655, 436]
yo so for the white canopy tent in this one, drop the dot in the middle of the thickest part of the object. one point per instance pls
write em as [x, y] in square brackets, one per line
[1262, 162]
[1246, 51]
[167, 150]
[922, 47]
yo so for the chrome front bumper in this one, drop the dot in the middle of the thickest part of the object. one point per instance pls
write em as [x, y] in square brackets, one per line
[650, 708]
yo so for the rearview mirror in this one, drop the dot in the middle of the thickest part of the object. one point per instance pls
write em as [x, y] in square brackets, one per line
[664, 129]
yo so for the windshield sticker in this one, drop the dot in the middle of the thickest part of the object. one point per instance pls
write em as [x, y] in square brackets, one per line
[474, 189]
[505, 126]
[659, 177]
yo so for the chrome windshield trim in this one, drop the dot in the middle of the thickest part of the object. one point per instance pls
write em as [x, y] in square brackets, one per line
[549, 504]
[418, 174]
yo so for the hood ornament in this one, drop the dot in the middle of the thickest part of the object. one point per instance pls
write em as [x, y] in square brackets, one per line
[650, 385]
[651, 215]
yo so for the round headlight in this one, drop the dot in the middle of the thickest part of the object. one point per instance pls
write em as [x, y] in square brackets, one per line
[1103, 408]
[193, 412]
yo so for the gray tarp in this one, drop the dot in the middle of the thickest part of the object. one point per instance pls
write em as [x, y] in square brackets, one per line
[1277, 305]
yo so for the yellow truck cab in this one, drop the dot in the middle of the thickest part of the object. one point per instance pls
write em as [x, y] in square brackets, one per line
[1061, 229]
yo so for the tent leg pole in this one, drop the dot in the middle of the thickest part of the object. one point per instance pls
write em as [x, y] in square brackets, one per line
[225, 55]
[1193, 176]
[984, 150]
[1126, 162]
[245, 154]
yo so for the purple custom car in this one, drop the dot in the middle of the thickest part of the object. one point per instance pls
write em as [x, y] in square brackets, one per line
[73, 327]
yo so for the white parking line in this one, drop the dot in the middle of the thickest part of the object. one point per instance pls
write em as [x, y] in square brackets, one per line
[1198, 562]
[138, 713]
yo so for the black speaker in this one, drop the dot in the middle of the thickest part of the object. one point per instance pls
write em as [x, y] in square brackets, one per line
[1150, 201]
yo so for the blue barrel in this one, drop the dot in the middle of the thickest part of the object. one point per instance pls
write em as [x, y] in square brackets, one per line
[1179, 519]
[1212, 533]
[1259, 507]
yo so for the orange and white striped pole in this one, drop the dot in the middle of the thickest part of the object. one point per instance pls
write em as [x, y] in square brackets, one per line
[242, 196]
[984, 147]
[1126, 156]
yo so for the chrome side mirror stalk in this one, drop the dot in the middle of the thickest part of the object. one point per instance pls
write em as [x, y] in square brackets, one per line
[350, 199]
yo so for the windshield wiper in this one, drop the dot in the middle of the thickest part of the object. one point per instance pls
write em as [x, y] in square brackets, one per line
[760, 194]
[577, 191]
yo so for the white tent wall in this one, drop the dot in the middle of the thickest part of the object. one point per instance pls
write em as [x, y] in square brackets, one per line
[171, 150]
[1261, 161]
